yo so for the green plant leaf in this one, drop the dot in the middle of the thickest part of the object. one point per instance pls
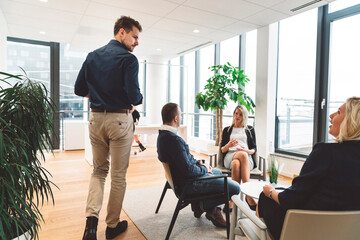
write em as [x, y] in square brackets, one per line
[26, 127]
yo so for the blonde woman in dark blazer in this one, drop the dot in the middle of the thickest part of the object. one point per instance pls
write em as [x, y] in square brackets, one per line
[238, 144]
[329, 179]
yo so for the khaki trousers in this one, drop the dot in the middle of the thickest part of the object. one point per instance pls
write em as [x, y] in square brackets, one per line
[110, 134]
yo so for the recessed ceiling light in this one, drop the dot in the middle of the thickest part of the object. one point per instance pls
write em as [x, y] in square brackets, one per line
[196, 31]
[42, 32]
[158, 49]
[45, 1]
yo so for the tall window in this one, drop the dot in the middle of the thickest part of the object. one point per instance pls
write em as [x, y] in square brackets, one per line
[34, 59]
[39, 64]
[141, 79]
[344, 75]
[341, 4]
[229, 52]
[206, 60]
[174, 94]
[250, 63]
[71, 106]
[296, 82]
[189, 92]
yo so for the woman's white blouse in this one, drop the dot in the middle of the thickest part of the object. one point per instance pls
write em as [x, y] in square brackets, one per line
[239, 134]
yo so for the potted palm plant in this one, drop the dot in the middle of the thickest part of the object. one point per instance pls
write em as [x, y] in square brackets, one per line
[25, 133]
[228, 81]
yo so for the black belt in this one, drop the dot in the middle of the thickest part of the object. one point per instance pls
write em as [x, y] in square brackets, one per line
[110, 111]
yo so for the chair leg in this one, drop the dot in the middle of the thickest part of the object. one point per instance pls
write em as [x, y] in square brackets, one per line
[227, 220]
[227, 207]
[177, 209]
[166, 187]
[233, 222]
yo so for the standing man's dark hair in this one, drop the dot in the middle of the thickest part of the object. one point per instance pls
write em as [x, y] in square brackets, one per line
[109, 77]
[126, 23]
[169, 111]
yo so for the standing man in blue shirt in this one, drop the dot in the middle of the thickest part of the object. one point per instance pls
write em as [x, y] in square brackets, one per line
[109, 78]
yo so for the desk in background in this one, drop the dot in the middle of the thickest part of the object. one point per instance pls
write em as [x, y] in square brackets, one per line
[150, 130]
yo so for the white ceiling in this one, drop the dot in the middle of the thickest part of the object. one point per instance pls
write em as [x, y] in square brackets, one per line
[167, 24]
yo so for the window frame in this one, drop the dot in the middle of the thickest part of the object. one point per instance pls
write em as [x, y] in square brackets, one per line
[54, 81]
[321, 99]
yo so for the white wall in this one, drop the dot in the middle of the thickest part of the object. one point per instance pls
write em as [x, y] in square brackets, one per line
[266, 88]
[3, 35]
[156, 88]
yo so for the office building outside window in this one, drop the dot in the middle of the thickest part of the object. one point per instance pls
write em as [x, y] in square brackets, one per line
[34, 59]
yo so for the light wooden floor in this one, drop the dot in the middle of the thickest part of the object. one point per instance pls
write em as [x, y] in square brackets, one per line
[71, 173]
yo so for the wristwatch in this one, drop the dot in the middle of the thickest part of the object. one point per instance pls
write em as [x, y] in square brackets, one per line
[270, 193]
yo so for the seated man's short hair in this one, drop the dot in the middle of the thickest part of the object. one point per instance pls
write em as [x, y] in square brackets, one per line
[169, 111]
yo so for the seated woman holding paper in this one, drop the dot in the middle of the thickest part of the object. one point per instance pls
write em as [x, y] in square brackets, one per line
[238, 144]
[329, 179]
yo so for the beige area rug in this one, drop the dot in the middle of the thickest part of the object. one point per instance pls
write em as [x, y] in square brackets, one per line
[140, 205]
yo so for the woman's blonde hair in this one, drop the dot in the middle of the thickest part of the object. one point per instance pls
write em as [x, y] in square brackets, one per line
[245, 114]
[350, 126]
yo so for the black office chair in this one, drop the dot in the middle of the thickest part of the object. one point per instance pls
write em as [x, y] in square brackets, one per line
[185, 199]
[217, 161]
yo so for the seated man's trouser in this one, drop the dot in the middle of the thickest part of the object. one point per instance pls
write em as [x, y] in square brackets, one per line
[213, 186]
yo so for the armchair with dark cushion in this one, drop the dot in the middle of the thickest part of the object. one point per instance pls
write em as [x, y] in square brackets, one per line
[185, 199]
[217, 161]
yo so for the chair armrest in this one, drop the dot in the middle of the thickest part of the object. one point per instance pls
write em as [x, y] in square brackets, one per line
[247, 212]
[206, 178]
[263, 166]
[211, 156]
[262, 163]
[189, 181]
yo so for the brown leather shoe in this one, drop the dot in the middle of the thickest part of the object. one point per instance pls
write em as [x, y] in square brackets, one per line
[215, 216]
[195, 207]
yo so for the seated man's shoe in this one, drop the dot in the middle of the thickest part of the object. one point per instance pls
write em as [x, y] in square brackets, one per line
[252, 207]
[215, 216]
[114, 232]
[225, 209]
[90, 228]
[142, 148]
[195, 207]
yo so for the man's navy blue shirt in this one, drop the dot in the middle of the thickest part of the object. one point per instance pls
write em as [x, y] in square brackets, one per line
[173, 150]
[109, 76]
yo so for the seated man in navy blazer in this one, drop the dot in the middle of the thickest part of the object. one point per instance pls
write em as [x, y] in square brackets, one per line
[172, 149]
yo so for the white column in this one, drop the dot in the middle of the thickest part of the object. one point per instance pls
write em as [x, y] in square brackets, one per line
[156, 87]
[266, 68]
[3, 35]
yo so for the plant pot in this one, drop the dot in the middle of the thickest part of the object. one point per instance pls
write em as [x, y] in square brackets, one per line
[273, 176]
[24, 236]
